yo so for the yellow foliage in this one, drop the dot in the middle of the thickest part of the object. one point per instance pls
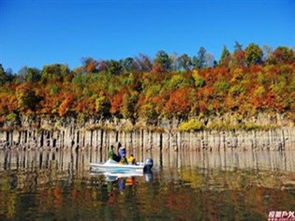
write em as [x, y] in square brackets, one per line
[191, 125]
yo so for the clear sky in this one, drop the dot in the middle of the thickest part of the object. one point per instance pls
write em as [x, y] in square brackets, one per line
[38, 32]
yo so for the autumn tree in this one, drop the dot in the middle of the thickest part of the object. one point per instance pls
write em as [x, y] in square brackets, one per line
[29, 74]
[253, 54]
[129, 64]
[147, 111]
[89, 64]
[282, 55]
[102, 106]
[225, 57]
[66, 105]
[129, 88]
[114, 67]
[54, 72]
[199, 81]
[117, 104]
[129, 104]
[185, 62]
[178, 104]
[27, 98]
[238, 56]
[162, 61]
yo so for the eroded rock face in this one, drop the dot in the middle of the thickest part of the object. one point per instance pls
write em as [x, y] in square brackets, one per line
[97, 134]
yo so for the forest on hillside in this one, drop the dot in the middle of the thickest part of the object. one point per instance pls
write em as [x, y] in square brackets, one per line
[245, 81]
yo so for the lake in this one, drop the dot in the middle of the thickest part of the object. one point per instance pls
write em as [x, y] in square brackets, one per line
[232, 185]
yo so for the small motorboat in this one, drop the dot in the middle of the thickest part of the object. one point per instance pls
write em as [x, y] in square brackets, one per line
[115, 167]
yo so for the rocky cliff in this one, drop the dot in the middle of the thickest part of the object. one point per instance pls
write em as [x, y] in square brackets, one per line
[31, 133]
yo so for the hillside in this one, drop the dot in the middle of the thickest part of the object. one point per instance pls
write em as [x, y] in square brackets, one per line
[243, 83]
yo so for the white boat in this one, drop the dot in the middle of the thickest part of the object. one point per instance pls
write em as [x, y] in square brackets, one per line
[115, 167]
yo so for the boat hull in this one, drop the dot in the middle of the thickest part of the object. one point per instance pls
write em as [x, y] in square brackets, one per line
[116, 168]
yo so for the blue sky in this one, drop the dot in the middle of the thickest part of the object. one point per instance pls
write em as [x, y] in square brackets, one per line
[38, 32]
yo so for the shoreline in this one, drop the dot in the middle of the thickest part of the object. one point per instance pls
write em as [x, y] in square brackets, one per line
[69, 134]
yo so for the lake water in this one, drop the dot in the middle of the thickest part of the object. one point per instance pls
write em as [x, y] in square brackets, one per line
[58, 185]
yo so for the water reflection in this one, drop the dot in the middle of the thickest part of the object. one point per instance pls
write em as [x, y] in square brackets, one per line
[183, 186]
[113, 176]
[79, 161]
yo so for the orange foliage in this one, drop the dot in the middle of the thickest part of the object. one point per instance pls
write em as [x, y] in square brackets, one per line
[86, 106]
[239, 57]
[157, 68]
[65, 106]
[178, 103]
[234, 87]
[117, 103]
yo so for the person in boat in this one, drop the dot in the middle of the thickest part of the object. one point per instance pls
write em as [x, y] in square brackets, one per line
[123, 160]
[111, 152]
[118, 145]
[131, 160]
[112, 155]
[122, 152]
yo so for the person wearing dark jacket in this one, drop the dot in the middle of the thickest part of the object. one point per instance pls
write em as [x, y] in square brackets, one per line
[112, 155]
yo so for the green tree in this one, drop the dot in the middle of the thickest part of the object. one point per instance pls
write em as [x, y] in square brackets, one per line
[199, 80]
[200, 60]
[27, 98]
[163, 60]
[148, 113]
[129, 104]
[114, 67]
[3, 77]
[9, 75]
[54, 72]
[129, 64]
[221, 85]
[185, 62]
[102, 106]
[29, 74]
[225, 57]
[253, 54]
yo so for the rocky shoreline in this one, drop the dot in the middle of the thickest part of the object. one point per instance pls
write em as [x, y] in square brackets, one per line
[71, 134]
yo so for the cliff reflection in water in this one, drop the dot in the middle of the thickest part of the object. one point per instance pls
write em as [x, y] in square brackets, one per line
[79, 161]
[35, 185]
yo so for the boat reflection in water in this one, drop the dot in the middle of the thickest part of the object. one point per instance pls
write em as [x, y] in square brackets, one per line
[123, 179]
